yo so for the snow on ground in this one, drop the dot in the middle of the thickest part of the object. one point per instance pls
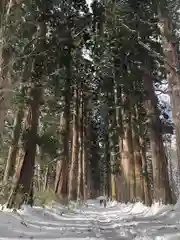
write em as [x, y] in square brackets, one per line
[90, 222]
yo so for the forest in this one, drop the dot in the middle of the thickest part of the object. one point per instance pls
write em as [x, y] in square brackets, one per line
[81, 112]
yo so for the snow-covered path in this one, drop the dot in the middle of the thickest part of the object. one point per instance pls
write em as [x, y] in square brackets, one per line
[116, 222]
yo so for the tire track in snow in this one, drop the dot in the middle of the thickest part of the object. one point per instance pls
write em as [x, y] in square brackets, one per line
[102, 227]
[92, 222]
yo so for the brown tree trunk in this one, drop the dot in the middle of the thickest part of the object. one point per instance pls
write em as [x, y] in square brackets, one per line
[79, 178]
[119, 180]
[138, 165]
[80, 150]
[63, 178]
[59, 166]
[46, 175]
[146, 183]
[37, 173]
[170, 45]
[131, 175]
[19, 159]
[72, 191]
[127, 161]
[84, 171]
[162, 191]
[81, 157]
[89, 180]
[106, 161]
[124, 171]
[22, 189]
[11, 160]
[84, 124]
[88, 165]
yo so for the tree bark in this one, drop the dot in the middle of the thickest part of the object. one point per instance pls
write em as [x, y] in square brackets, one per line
[106, 160]
[72, 191]
[146, 182]
[79, 178]
[80, 187]
[46, 176]
[139, 192]
[63, 179]
[22, 191]
[170, 45]
[23, 186]
[11, 160]
[84, 123]
[127, 157]
[162, 191]
[59, 166]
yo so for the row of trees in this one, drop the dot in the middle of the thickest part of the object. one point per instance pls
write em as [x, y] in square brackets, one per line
[81, 86]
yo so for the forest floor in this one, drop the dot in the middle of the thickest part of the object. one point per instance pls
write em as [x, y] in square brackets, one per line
[90, 222]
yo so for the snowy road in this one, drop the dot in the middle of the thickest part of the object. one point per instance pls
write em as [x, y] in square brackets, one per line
[116, 222]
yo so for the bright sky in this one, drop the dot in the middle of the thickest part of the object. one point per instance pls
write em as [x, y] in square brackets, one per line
[89, 2]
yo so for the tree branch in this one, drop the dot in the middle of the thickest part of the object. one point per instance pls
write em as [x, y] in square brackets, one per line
[151, 51]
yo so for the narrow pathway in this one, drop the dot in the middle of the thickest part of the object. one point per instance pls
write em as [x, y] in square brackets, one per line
[92, 222]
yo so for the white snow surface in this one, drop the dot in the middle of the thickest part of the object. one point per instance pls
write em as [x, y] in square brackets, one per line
[92, 221]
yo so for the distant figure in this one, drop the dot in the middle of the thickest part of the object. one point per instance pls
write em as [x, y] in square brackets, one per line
[104, 202]
[101, 201]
